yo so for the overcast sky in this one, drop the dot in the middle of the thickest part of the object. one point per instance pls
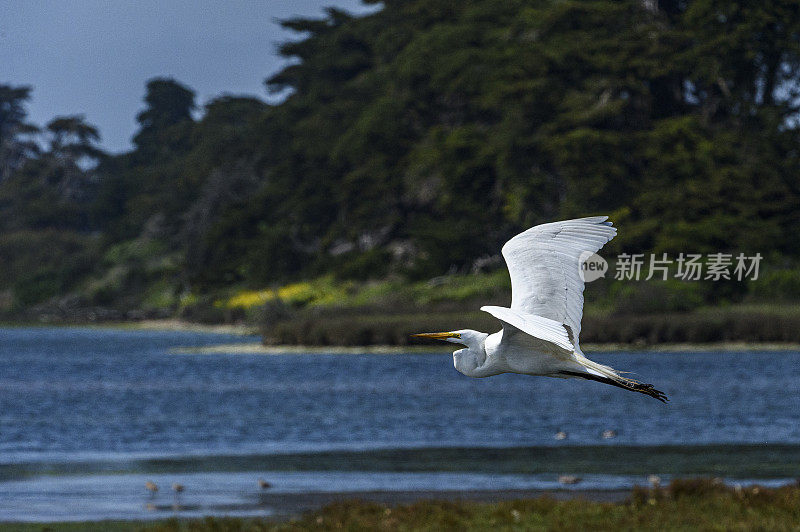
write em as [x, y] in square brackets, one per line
[94, 56]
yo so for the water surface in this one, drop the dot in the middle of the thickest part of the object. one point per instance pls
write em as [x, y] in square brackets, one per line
[117, 404]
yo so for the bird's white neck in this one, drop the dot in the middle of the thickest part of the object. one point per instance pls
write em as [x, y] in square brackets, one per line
[472, 361]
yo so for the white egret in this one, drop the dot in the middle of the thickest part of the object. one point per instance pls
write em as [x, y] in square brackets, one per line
[541, 329]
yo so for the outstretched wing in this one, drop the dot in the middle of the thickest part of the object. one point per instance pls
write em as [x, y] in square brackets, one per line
[542, 328]
[544, 266]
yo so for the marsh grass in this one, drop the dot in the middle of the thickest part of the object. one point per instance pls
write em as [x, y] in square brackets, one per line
[704, 504]
[329, 312]
[696, 504]
[722, 324]
[376, 325]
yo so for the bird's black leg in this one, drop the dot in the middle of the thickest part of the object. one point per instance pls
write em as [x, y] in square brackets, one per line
[626, 384]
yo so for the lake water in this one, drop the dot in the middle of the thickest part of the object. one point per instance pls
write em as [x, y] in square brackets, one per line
[88, 415]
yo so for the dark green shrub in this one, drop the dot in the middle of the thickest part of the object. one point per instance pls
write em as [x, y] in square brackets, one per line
[776, 285]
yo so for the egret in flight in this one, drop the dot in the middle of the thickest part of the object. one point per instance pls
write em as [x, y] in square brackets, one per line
[541, 329]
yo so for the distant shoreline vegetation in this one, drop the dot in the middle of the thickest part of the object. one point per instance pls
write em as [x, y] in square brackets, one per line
[328, 312]
[413, 142]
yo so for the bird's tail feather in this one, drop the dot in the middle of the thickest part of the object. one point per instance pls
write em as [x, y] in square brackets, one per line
[595, 368]
[605, 374]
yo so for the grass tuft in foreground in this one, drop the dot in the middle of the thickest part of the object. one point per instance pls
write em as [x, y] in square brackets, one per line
[704, 504]
[685, 504]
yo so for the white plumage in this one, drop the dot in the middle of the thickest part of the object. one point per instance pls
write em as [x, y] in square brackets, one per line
[541, 329]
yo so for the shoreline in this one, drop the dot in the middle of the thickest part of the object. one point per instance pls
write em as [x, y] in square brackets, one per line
[286, 505]
[241, 329]
[257, 348]
[688, 503]
[168, 325]
[281, 507]
[177, 325]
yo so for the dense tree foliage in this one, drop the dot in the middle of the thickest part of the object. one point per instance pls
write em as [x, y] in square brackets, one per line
[416, 139]
[16, 144]
[420, 137]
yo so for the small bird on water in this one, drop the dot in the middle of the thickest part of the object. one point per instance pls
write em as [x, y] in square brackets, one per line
[560, 435]
[608, 434]
[151, 487]
[263, 484]
[178, 488]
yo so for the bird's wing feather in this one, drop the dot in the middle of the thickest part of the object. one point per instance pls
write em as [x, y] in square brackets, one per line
[536, 326]
[543, 263]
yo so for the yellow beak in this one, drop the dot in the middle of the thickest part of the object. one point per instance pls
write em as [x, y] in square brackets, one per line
[438, 336]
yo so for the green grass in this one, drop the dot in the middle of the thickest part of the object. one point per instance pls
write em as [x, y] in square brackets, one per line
[387, 312]
[392, 326]
[783, 310]
[327, 291]
[702, 504]
[684, 505]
